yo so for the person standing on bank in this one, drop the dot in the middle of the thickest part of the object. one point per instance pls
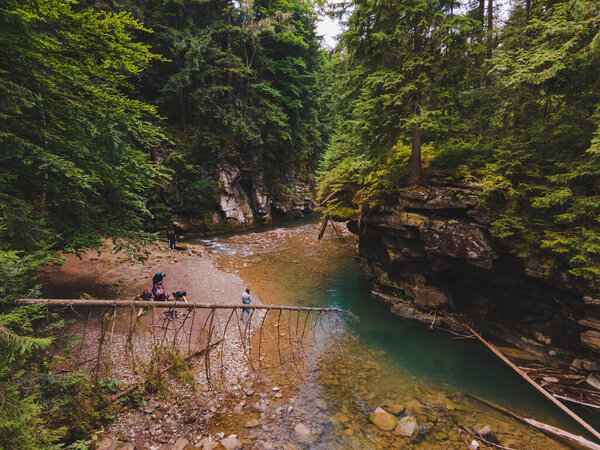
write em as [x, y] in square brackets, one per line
[172, 239]
[246, 301]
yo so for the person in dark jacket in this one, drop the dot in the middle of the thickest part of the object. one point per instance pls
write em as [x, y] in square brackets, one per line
[156, 280]
[171, 239]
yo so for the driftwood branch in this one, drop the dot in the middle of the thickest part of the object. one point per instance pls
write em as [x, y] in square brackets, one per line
[323, 226]
[485, 441]
[577, 402]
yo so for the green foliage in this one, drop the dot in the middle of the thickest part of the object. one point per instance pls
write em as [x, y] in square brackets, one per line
[74, 162]
[239, 86]
[521, 119]
[202, 192]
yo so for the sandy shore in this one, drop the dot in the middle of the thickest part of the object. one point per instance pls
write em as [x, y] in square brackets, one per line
[110, 276]
[195, 414]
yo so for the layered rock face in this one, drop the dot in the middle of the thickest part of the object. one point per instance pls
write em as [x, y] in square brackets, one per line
[432, 251]
[244, 201]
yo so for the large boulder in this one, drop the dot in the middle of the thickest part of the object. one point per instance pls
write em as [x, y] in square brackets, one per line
[438, 198]
[232, 442]
[260, 200]
[459, 240]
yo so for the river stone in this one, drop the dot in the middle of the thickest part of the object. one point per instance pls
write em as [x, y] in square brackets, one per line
[383, 420]
[302, 431]
[321, 404]
[208, 444]
[231, 442]
[341, 417]
[453, 435]
[407, 426]
[105, 443]
[392, 407]
[180, 444]
[481, 429]
[252, 423]
[415, 407]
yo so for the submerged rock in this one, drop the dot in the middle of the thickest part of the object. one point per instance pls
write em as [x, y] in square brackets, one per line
[407, 426]
[321, 404]
[383, 420]
[302, 431]
[180, 444]
[252, 423]
[393, 407]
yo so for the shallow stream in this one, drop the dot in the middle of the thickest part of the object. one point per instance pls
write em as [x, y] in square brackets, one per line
[396, 361]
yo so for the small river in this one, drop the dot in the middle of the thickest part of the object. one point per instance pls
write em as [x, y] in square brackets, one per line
[393, 360]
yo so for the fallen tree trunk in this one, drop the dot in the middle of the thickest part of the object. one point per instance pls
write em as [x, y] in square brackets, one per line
[543, 427]
[539, 388]
[169, 305]
[323, 226]
[577, 402]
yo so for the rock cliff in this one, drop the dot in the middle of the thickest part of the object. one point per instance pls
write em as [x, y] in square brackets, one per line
[432, 250]
[243, 199]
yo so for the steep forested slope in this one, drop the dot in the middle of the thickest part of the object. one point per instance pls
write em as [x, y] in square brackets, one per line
[238, 91]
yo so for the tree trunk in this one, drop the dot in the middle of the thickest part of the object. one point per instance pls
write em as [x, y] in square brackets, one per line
[490, 43]
[482, 12]
[527, 9]
[182, 123]
[415, 157]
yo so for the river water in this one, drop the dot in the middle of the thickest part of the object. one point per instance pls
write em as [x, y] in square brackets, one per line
[388, 360]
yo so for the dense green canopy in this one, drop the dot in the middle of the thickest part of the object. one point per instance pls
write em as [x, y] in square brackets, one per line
[105, 105]
[513, 108]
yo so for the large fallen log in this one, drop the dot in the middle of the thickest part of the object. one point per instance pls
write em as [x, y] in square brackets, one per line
[539, 388]
[543, 427]
[167, 304]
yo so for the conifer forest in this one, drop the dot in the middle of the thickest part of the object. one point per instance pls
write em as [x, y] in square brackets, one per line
[457, 140]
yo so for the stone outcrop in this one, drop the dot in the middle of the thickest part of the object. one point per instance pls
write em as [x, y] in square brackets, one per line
[432, 250]
[233, 201]
[244, 200]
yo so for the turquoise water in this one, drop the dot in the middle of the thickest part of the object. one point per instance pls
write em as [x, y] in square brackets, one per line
[287, 265]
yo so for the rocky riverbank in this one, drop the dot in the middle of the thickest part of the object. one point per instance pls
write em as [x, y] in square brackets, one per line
[432, 251]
